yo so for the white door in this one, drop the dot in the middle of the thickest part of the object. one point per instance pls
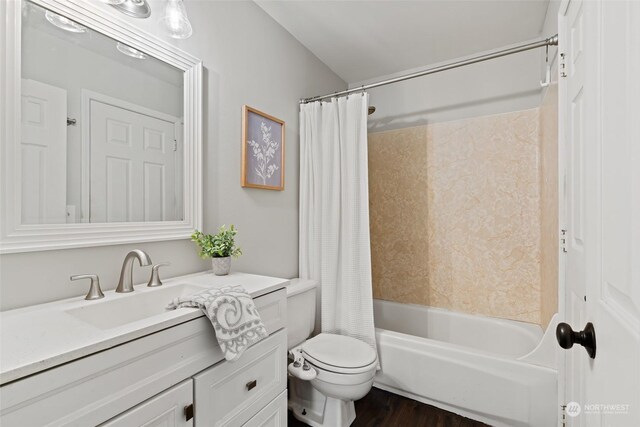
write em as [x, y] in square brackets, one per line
[43, 153]
[179, 168]
[132, 166]
[167, 409]
[600, 94]
[573, 127]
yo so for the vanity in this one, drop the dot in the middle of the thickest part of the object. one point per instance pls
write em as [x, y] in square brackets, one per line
[125, 360]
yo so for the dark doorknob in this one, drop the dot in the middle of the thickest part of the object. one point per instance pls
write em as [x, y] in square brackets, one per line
[567, 337]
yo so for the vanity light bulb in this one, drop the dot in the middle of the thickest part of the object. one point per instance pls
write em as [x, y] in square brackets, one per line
[175, 20]
[129, 51]
[64, 23]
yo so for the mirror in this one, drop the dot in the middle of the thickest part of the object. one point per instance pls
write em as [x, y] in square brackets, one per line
[101, 127]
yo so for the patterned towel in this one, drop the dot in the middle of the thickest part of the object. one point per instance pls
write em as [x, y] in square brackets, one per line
[233, 315]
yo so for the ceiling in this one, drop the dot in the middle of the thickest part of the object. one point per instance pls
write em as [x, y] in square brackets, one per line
[360, 40]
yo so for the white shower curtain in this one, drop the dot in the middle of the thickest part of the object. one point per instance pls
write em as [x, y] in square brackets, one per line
[334, 213]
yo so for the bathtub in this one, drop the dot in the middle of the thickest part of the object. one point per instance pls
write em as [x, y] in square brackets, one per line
[487, 369]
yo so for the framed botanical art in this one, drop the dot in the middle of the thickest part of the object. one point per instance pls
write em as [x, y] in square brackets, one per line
[262, 150]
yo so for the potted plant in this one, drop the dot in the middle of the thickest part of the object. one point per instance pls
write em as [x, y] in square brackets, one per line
[219, 247]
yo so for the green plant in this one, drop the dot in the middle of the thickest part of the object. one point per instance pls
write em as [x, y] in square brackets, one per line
[217, 245]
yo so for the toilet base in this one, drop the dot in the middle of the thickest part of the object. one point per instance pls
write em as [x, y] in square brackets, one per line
[317, 410]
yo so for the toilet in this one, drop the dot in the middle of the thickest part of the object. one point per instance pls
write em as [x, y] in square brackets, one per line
[327, 372]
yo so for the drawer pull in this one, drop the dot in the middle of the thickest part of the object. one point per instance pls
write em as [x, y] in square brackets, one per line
[251, 384]
[188, 412]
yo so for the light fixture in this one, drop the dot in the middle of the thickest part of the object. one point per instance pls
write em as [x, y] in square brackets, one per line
[112, 2]
[129, 51]
[133, 8]
[64, 23]
[175, 20]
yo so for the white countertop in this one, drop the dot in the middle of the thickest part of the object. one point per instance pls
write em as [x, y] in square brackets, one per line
[42, 336]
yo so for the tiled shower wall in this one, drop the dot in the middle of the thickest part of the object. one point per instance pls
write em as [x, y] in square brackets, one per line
[456, 215]
[549, 238]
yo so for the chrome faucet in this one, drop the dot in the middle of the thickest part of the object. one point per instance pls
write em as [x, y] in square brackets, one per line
[126, 274]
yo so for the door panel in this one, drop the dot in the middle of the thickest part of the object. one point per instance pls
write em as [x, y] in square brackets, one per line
[118, 196]
[132, 166]
[614, 294]
[601, 40]
[43, 152]
[154, 191]
[574, 92]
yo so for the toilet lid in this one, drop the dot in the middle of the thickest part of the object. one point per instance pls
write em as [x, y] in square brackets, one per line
[339, 352]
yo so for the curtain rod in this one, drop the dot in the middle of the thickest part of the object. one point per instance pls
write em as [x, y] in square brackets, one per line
[551, 41]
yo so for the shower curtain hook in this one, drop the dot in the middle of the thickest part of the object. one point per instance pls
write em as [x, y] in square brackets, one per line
[547, 79]
[546, 54]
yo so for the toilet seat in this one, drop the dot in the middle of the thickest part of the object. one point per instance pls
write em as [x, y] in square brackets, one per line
[339, 354]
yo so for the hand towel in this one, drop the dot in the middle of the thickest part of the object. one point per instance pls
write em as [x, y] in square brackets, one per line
[233, 315]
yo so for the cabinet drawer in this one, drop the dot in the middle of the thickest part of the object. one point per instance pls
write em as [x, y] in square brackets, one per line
[273, 310]
[229, 394]
[272, 415]
[165, 409]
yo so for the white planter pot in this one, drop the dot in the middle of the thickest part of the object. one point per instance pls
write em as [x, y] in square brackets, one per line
[221, 266]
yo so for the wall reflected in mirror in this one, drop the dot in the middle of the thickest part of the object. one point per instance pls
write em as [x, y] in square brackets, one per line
[101, 127]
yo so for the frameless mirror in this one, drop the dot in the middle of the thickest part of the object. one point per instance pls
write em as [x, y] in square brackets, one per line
[101, 127]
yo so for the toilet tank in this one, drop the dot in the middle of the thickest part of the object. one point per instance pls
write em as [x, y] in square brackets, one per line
[301, 310]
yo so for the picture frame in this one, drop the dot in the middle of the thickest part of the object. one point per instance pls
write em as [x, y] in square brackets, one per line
[263, 150]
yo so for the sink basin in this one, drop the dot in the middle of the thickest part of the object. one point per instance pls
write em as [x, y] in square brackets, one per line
[126, 308]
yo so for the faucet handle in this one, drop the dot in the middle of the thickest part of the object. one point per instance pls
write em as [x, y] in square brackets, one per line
[154, 280]
[94, 290]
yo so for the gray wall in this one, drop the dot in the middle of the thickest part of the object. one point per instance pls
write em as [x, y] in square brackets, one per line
[248, 59]
[492, 87]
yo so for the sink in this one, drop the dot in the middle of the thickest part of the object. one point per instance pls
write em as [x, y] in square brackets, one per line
[126, 308]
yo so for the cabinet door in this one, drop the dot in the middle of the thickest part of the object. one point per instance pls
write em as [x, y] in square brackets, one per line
[167, 409]
[230, 393]
[272, 415]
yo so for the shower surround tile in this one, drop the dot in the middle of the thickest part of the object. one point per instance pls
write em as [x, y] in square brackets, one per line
[455, 215]
[549, 238]
[398, 201]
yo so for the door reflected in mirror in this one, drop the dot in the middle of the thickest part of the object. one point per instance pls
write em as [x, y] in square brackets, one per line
[101, 127]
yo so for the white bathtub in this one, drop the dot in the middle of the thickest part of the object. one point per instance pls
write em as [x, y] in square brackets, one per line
[465, 364]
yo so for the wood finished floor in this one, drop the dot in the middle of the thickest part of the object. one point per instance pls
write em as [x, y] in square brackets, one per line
[381, 408]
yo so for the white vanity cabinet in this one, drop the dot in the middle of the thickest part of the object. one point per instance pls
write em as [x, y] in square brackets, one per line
[150, 380]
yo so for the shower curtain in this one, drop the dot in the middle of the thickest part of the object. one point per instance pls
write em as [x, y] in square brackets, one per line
[334, 213]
